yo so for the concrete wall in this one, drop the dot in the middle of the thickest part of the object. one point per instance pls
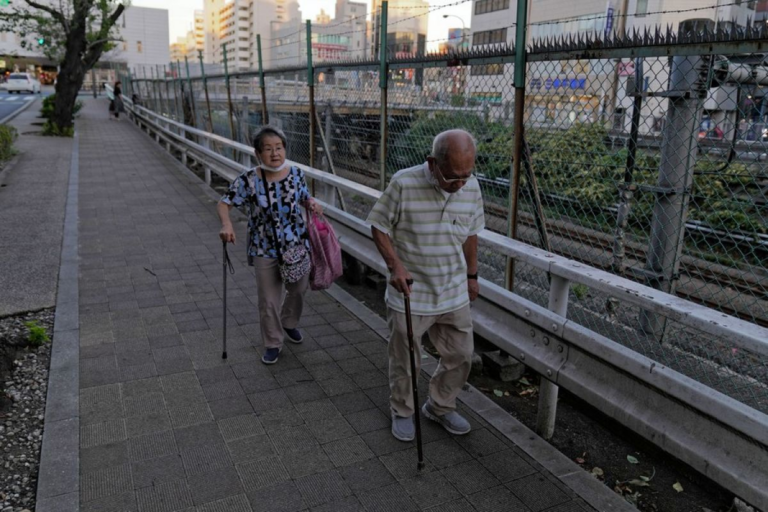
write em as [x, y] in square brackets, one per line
[143, 25]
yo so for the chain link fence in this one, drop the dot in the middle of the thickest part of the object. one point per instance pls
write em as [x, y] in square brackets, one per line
[650, 167]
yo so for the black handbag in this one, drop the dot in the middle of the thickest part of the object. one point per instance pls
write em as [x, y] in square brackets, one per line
[295, 262]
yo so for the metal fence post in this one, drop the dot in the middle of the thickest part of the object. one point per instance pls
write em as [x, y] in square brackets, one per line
[311, 84]
[548, 391]
[177, 88]
[627, 189]
[154, 89]
[232, 132]
[163, 102]
[687, 90]
[514, 183]
[264, 112]
[244, 126]
[192, 106]
[383, 79]
[167, 90]
[205, 87]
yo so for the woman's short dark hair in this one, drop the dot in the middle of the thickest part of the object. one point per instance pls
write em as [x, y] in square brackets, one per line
[267, 131]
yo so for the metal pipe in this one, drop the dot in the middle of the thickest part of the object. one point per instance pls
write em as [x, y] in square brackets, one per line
[205, 87]
[514, 190]
[232, 132]
[627, 189]
[383, 79]
[311, 84]
[192, 105]
[264, 112]
[688, 85]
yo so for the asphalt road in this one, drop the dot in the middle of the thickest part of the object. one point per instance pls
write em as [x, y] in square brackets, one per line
[10, 103]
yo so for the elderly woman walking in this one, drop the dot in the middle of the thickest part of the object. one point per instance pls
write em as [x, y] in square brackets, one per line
[272, 195]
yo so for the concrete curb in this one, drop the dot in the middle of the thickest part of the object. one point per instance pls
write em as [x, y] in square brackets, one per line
[565, 470]
[10, 117]
[59, 477]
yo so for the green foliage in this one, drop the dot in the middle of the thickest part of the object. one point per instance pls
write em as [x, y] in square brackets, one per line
[48, 102]
[51, 129]
[37, 334]
[580, 291]
[8, 136]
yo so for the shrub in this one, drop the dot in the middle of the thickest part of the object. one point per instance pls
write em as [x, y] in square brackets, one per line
[37, 334]
[48, 102]
[52, 130]
[8, 136]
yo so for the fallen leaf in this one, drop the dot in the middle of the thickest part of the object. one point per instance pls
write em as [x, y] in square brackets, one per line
[498, 393]
[678, 487]
[524, 381]
[639, 483]
[579, 460]
[506, 393]
[632, 460]
[527, 391]
[598, 472]
[484, 390]
[644, 478]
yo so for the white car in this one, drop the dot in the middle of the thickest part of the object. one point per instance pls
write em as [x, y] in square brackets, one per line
[22, 82]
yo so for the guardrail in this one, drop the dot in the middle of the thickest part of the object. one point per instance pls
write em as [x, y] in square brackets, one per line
[722, 438]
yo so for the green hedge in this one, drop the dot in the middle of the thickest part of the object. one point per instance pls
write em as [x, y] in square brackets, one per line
[7, 138]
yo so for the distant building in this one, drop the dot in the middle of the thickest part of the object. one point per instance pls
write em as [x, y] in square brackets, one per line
[144, 33]
[406, 34]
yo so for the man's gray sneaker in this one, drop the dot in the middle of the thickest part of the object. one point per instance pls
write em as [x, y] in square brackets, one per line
[403, 428]
[453, 422]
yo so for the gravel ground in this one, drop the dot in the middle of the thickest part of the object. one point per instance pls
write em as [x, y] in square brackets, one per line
[23, 387]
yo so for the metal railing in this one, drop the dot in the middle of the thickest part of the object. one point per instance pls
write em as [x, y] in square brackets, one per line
[719, 435]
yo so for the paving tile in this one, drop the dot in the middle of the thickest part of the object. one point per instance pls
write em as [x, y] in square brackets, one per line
[250, 448]
[381, 442]
[506, 465]
[357, 365]
[326, 371]
[314, 358]
[165, 497]
[277, 419]
[206, 458]
[368, 380]
[296, 438]
[198, 435]
[338, 385]
[380, 396]
[141, 387]
[352, 402]
[429, 489]
[322, 488]
[268, 400]
[144, 405]
[151, 446]
[570, 506]
[403, 464]
[481, 443]
[446, 453]
[366, 475]
[347, 451]
[368, 420]
[348, 504]
[293, 377]
[125, 502]
[262, 474]
[305, 392]
[190, 414]
[239, 427]
[151, 472]
[461, 505]
[307, 461]
[215, 485]
[470, 477]
[392, 498]
[282, 497]
[222, 389]
[103, 456]
[148, 424]
[236, 503]
[105, 482]
[102, 433]
[331, 429]
[537, 492]
[228, 407]
[497, 499]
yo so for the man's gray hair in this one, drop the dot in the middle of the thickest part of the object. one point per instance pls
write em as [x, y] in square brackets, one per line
[441, 146]
[268, 131]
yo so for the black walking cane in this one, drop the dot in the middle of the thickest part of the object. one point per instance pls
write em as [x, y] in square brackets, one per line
[226, 262]
[414, 378]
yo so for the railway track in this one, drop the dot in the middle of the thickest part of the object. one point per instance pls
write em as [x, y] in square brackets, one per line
[730, 290]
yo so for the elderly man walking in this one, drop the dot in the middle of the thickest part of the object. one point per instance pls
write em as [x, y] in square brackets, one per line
[425, 226]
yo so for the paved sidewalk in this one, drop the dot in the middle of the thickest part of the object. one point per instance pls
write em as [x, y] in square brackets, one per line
[33, 193]
[166, 424]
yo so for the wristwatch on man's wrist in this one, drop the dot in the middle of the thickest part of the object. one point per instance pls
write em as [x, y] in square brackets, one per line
[472, 276]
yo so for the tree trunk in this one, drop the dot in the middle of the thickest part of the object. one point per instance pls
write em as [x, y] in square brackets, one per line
[68, 83]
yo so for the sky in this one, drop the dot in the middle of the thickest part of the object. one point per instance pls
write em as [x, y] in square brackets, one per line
[181, 14]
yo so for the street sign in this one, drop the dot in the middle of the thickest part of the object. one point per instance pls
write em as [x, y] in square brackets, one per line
[4, 3]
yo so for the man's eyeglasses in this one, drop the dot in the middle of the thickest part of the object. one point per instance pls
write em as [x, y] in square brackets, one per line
[450, 181]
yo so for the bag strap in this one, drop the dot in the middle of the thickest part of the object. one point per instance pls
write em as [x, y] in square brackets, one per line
[271, 218]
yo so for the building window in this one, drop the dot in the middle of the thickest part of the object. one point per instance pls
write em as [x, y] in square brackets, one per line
[484, 6]
[490, 37]
[642, 8]
[487, 69]
[125, 46]
[138, 47]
